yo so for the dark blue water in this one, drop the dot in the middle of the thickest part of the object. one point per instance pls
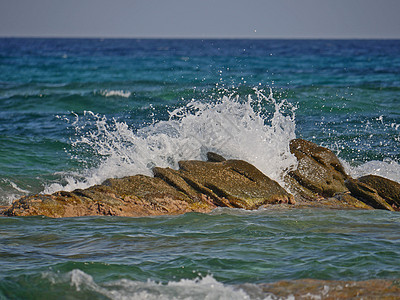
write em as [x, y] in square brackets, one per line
[74, 112]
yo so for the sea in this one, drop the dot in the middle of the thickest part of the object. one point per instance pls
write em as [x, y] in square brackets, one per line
[74, 112]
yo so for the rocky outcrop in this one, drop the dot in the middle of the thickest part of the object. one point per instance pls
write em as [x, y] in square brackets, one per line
[367, 194]
[386, 188]
[319, 171]
[318, 181]
[130, 196]
[196, 186]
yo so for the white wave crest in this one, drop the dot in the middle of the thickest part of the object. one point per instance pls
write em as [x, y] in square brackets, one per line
[116, 93]
[256, 128]
[199, 288]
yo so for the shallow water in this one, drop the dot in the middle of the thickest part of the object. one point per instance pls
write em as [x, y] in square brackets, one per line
[183, 255]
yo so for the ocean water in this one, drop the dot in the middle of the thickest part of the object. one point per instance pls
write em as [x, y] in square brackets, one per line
[74, 112]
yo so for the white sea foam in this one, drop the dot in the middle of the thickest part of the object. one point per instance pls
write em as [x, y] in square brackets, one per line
[198, 288]
[388, 169]
[256, 128]
[116, 93]
[10, 191]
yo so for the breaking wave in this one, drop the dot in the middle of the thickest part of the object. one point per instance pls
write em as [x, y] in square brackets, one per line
[200, 288]
[116, 93]
[255, 127]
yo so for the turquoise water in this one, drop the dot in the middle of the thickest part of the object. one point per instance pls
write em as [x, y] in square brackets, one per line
[209, 254]
[75, 112]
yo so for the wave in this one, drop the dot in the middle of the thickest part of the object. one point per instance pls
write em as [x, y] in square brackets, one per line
[81, 283]
[10, 190]
[115, 93]
[77, 284]
[255, 127]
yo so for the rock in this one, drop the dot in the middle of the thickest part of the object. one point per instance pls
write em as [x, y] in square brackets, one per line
[129, 196]
[324, 289]
[318, 181]
[386, 188]
[233, 183]
[367, 194]
[3, 208]
[214, 157]
[321, 178]
[346, 199]
[196, 186]
[319, 171]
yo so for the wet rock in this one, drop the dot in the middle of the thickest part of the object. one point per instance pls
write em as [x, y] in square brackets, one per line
[3, 208]
[319, 171]
[196, 186]
[214, 157]
[129, 196]
[233, 183]
[324, 289]
[318, 181]
[349, 201]
[386, 188]
[367, 194]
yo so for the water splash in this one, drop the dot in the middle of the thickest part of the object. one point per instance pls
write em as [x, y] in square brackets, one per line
[388, 168]
[255, 127]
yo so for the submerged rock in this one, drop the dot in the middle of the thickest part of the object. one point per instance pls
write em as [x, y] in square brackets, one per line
[325, 289]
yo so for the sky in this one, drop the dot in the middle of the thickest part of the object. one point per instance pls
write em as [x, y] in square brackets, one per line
[201, 18]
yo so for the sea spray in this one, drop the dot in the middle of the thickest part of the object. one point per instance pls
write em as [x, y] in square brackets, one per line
[387, 168]
[255, 127]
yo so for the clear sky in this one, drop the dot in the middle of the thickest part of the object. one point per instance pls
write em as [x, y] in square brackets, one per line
[201, 18]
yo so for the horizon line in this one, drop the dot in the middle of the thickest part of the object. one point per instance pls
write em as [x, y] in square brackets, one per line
[190, 38]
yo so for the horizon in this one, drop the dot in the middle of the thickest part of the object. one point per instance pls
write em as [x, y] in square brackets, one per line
[200, 38]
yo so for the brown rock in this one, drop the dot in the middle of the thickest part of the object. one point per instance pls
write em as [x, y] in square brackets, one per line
[197, 186]
[325, 289]
[3, 208]
[321, 179]
[386, 188]
[234, 183]
[129, 196]
[367, 194]
[346, 199]
[175, 180]
[318, 181]
[214, 157]
[319, 171]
